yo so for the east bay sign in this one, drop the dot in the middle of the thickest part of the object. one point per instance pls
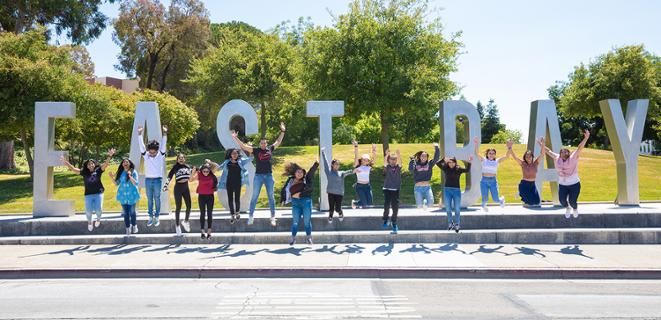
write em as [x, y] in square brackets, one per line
[625, 133]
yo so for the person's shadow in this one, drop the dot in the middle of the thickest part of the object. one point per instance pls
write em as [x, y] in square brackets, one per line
[484, 249]
[528, 252]
[384, 248]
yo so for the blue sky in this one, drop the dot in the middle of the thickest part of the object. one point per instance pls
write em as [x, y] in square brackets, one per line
[514, 50]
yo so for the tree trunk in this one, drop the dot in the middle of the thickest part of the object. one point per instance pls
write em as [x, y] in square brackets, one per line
[385, 136]
[153, 60]
[28, 152]
[263, 120]
[166, 70]
[7, 155]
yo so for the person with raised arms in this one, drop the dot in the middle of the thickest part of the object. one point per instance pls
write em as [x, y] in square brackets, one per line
[91, 173]
[154, 157]
[363, 167]
[422, 169]
[263, 171]
[128, 194]
[298, 190]
[489, 183]
[181, 172]
[566, 164]
[392, 167]
[234, 175]
[335, 185]
[527, 188]
[452, 190]
[206, 190]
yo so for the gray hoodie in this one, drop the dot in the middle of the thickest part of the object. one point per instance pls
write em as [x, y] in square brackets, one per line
[335, 178]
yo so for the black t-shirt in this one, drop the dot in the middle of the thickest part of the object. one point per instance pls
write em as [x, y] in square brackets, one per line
[263, 159]
[92, 181]
[233, 174]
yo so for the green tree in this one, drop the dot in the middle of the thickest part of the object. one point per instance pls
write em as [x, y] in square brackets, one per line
[505, 134]
[491, 121]
[158, 44]
[384, 58]
[182, 120]
[624, 73]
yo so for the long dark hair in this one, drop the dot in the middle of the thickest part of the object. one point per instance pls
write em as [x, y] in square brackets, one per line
[120, 169]
[417, 155]
[84, 170]
[291, 168]
[228, 153]
[486, 153]
[532, 157]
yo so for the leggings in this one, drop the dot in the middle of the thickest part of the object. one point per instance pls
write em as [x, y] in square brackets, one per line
[206, 206]
[334, 204]
[391, 200]
[234, 198]
[569, 193]
[181, 191]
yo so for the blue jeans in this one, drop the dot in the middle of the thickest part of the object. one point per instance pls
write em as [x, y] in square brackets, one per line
[423, 193]
[489, 184]
[153, 189]
[302, 206]
[364, 192]
[93, 203]
[128, 211]
[452, 197]
[569, 193]
[260, 180]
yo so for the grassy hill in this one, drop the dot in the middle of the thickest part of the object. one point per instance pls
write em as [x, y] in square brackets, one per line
[597, 171]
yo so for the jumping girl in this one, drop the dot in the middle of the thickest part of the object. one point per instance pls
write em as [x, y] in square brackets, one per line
[298, 190]
[451, 189]
[206, 189]
[566, 163]
[363, 167]
[182, 173]
[391, 186]
[489, 170]
[91, 173]
[421, 168]
[154, 157]
[233, 177]
[335, 186]
[263, 171]
[527, 188]
[128, 194]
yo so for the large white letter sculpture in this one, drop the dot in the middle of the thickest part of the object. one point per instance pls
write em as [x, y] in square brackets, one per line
[448, 144]
[236, 108]
[45, 158]
[325, 110]
[148, 116]
[625, 136]
[544, 123]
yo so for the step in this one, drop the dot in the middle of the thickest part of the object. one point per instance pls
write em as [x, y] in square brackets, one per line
[355, 220]
[481, 236]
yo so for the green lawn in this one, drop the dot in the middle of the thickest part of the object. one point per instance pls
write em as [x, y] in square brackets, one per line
[597, 170]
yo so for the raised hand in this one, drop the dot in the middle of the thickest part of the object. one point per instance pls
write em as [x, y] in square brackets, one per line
[374, 147]
[354, 143]
[111, 152]
[397, 152]
[509, 143]
[435, 144]
[165, 130]
[541, 142]
[282, 126]
[475, 140]
[140, 130]
[586, 134]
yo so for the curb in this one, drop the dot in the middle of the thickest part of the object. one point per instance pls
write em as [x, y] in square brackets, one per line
[312, 272]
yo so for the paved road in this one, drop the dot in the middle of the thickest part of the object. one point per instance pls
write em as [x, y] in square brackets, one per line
[328, 299]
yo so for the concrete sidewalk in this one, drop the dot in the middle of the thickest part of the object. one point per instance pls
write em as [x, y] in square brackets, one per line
[442, 260]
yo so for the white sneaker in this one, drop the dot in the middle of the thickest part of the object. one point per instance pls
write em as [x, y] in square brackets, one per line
[186, 225]
[135, 228]
[90, 227]
[178, 230]
[128, 231]
[274, 222]
[251, 220]
[150, 222]
[157, 222]
[424, 207]
[575, 213]
[568, 213]
[485, 208]
[308, 240]
[502, 202]
[97, 223]
[353, 204]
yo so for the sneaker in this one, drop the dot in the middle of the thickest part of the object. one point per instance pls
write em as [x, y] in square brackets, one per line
[90, 227]
[450, 226]
[238, 217]
[456, 228]
[353, 204]
[232, 220]
[202, 235]
[568, 213]
[386, 224]
[502, 202]
[575, 213]
[251, 220]
[341, 217]
[128, 231]
[208, 235]
[178, 230]
[424, 207]
[157, 222]
[97, 223]
[150, 222]
[308, 240]
[330, 220]
[395, 229]
[135, 229]
[274, 222]
[293, 241]
[485, 208]
[186, 225]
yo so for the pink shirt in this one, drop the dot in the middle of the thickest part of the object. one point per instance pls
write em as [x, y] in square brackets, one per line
[567, 170]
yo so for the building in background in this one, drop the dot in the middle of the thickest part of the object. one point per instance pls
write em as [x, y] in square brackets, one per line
[127, 85]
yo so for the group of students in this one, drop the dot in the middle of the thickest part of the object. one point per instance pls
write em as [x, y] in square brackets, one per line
[299, 186]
